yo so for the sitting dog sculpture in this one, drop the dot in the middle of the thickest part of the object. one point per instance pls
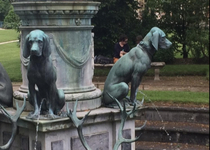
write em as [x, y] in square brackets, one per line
[41, 73]
[132, 66]
[6, 91]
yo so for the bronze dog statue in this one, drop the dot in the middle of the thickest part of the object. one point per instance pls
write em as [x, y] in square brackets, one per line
[132, 66]
[6, 91]
[41, 73]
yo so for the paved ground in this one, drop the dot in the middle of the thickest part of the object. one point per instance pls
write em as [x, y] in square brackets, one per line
[178, 83]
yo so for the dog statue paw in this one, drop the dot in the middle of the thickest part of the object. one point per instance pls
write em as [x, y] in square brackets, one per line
[33, 115]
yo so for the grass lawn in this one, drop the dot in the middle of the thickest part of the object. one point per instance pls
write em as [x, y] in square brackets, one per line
[10, 60]
[169, 70]
[174, 96]
[8, 35]
[184, 70]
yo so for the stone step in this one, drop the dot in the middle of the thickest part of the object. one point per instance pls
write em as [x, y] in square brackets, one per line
[141, 145]
[177, 114]
[174, 132]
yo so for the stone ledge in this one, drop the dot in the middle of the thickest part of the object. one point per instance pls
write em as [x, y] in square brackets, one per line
[99, 115]
[177, 114]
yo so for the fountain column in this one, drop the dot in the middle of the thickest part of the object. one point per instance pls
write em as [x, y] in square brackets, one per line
[68, 24]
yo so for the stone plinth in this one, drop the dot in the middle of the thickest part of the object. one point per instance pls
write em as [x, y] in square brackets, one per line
[100, 130]
[157, 66]
[68, 24]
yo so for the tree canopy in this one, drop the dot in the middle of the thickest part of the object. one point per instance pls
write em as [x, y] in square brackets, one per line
[186, 20]
[12, 20]
[4, 8]
[115, 17]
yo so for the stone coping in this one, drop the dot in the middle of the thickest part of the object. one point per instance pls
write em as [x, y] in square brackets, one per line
[176, 127]
[178, 109]
[76, 3]
[99, 115]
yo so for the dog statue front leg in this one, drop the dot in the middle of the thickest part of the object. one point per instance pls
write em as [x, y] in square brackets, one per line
[33, 101]
[135, 82]
[52, 97]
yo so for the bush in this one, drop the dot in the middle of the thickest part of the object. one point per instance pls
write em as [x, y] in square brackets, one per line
[12, 20]
[165, 55]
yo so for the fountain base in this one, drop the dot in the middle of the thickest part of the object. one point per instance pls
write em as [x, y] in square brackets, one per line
[100, 131]
[86, 100]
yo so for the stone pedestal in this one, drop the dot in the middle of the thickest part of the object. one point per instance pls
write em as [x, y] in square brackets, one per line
[157, 66]
[68, 24]
[100, 130]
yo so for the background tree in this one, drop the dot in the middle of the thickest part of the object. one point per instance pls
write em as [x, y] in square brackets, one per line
[187, 21]
[150, 19]
[115, 17]
[4, 8]
[12, 20]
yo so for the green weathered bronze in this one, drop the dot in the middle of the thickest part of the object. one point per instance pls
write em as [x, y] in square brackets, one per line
[78, 123]
[68, 25]
[13, 120]
[132, 66]
[124, 116]
[42, 73]
[6, 91]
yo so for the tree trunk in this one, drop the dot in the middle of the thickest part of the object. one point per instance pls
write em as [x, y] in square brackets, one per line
[185, 53]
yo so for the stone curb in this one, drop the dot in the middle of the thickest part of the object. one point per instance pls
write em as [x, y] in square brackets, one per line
[177, 114]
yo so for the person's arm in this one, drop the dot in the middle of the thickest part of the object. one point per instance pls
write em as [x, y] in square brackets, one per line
[122, 53]
[125, 50]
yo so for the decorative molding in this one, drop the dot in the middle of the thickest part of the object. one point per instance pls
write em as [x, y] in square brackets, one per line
[78, 22]
[56, 12]
[56, 28]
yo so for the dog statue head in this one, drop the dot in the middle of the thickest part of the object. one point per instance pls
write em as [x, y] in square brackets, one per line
[157, 39]
[36, 44]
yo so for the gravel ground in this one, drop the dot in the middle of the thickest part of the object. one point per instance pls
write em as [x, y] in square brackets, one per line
[178, 83]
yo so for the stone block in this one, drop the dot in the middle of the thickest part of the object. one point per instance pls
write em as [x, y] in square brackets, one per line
[97, 142]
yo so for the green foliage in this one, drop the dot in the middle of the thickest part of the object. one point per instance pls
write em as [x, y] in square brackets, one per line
[11, 21]
[165, 55]
[149, 20]
[4, 8]
[186, 20]
[174, 96]
[115, 17]
[199, 45]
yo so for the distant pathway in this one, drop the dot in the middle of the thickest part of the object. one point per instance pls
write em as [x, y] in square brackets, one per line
[8, 42]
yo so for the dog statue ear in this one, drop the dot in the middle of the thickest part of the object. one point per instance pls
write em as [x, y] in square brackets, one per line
[26, 48]
[46, 48]
[155, 39]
